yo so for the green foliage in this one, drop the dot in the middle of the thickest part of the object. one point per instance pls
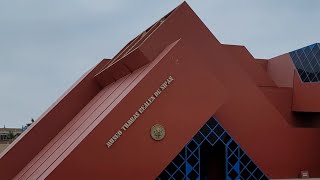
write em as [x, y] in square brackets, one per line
[10, 135]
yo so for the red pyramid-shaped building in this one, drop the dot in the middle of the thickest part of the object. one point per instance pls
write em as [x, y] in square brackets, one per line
[177, 75]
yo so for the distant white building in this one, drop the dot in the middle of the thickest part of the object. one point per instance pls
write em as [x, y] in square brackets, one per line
[7, 135]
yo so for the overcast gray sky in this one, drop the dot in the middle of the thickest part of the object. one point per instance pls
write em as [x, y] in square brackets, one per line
[47, 45]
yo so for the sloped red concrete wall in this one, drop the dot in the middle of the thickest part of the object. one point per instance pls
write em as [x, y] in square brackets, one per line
[181, 109]
[74, 131]
[30, 143]
[245, 60]
[248, 114]
[209, 79]
[281, 70]
[306, 96]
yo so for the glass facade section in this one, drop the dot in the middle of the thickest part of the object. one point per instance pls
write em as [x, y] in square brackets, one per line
[307, 62]
[187, 164]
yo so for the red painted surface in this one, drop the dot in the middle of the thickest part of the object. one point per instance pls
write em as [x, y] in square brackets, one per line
[263, 63]
[30, 143]
[250, 99]
[306, 96]
[281, 70]
[281, 99]
[257, 73]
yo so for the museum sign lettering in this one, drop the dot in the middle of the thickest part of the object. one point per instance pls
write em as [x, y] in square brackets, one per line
[138, 113]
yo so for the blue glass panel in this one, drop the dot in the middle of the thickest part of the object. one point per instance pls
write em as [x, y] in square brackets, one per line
[307, 62]
[187, 163]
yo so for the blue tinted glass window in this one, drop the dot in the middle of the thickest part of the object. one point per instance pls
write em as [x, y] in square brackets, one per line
[307, 62]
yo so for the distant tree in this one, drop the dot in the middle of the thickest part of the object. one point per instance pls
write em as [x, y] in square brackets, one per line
[10, 135]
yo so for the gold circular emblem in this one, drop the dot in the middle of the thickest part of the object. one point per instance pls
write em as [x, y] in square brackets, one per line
[157, 132]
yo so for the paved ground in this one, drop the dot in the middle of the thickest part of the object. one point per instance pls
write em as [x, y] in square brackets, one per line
[3, 146]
